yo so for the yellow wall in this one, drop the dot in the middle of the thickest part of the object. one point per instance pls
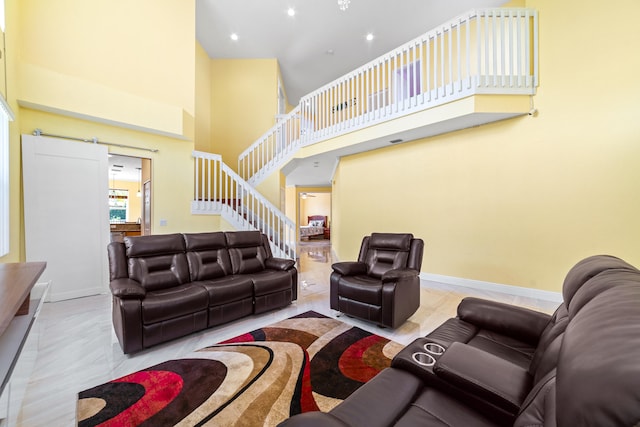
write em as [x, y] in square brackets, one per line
[244, 103]
[127, 62]
[203, 101]
[125, 67]
[134, 206]
[269, 188]
[519, 202]
[291, 203]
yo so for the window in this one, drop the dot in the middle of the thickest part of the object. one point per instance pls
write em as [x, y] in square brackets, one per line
[6, 115]
[118, 205]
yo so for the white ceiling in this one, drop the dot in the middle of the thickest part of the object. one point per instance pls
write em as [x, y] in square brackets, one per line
[124, 168]
[301, 44]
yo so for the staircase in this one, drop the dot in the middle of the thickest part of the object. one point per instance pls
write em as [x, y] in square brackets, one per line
[483, 52]
[219, 190]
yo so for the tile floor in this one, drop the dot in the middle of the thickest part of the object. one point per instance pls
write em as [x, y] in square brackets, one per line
[72, 346]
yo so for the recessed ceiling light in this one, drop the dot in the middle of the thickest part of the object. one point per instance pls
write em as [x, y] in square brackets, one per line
[291, 11]
[234, 36]
[329, 52]
[369, 37]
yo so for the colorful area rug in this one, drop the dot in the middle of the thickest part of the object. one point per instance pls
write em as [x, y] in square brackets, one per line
[305, 363]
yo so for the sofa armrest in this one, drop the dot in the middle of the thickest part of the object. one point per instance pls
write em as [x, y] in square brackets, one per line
[127, 289]
[522, 323]
[279, 263]
[399, 274]
[313, 419]
[489, 378]
[350, 268]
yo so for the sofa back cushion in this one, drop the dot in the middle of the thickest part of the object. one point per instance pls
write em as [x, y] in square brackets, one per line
[157, 262]
[246, 251]
[207, 255]
[579, 277]
[385, 251]
[597, 371]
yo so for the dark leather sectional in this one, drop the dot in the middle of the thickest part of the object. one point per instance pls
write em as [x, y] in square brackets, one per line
[501, 365]
[168, 286]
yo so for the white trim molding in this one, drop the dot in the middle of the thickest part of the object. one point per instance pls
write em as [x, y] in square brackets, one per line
[494, 287]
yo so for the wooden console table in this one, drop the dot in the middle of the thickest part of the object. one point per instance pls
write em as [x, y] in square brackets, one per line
[16, 282]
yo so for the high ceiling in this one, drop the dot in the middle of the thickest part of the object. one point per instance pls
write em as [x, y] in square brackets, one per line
[320, 42]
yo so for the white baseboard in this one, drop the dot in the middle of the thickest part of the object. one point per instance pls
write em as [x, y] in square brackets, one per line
[62, 296]
[494, 287]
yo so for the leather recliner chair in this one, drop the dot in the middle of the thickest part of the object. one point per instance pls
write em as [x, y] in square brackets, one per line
[383, 285]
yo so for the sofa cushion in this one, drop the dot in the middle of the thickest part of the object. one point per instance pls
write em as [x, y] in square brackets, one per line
[386, 251]
[161, 244]
[157, 262]
[393, 392]
[207, 255]
[269, 281]
[392, 241]
[598, 371]
[204, 241]
[177, 301]
[227, 289]
[246, 251]
[434, 408]
[243, 239]
[159, 272]
[364, 289]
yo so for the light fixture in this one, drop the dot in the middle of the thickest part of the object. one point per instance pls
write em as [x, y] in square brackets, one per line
[234, 37]
[139, 193]
[343, 4]
[291, 11]
[369, 37]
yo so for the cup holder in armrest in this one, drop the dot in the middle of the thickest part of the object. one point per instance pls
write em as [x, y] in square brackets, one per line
[435, 349]
[423, 359]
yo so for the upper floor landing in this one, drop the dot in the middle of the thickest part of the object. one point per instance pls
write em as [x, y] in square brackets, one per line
[478, 68]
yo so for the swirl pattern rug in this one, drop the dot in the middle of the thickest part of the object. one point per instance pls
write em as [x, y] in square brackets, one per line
[309, 362]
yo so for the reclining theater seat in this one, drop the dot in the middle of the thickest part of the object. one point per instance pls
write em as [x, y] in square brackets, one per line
[517, 334]
[275, 280]
[230, 297]
[383, 286]
[591, 378]
[153, 286]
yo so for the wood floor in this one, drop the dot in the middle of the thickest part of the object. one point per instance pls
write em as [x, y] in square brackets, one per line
[72, 346]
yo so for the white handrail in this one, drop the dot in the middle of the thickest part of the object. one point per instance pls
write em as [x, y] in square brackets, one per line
[218, 189]
[485, 51]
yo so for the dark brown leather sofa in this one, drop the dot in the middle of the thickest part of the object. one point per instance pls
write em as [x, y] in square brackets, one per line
[168, 286]
[383, 285]
[497, 365]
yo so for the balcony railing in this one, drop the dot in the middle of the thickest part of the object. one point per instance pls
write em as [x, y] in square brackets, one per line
[488, 51]
[219, 190]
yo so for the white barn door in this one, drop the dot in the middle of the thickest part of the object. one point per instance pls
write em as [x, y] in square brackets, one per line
[66, 213]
